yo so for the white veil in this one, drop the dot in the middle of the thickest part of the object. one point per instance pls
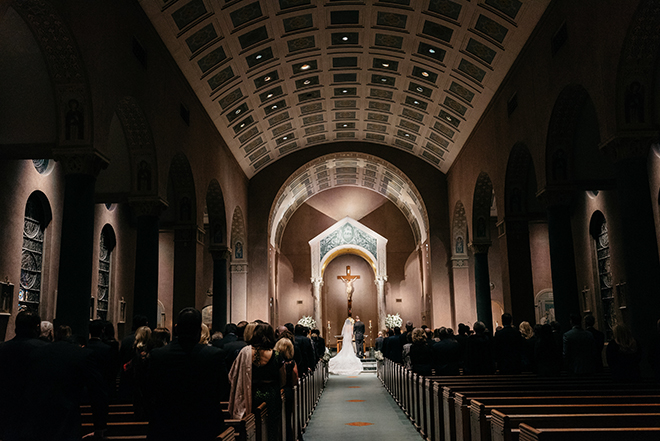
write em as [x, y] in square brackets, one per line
[346, 362]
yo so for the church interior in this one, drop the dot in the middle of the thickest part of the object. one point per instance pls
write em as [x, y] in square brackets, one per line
[463, 158]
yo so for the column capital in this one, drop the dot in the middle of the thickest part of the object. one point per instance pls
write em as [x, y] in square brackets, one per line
[238, 268]
[380, 280]
[147, 206]
[480, 247]
[630, 145]
[221, 252]
[459, 262]
[84, 160]
[556, 195]
[317, 280]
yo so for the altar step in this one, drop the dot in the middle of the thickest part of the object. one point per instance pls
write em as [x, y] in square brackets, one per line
[368, 364]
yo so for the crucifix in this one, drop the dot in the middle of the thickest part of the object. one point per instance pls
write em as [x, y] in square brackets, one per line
[348, 279]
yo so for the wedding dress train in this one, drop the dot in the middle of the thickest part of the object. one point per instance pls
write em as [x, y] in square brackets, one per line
[346, 362]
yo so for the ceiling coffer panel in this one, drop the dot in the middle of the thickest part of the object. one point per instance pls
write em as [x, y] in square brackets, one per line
[414, 75]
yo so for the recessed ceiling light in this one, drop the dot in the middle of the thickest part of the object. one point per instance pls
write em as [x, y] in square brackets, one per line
[432, 51]
[242, 125]
[386, 64]
[270, 95]
[274, 107]
[344, 91]
[383, 79]
[419, 89]
[345, 125]
[267, 78]
[284, 138]
[345, 38]
[307, 82]
[407, 134]
[425, 74]
[258, 57]
[237, 111]
[448, 118]
[305, 67]
[415, 102]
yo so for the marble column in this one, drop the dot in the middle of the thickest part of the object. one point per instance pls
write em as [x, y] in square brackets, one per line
[238, 296]
[638, 297]
[519, 298]
[221, 256]
[380, 294]
[482, 284]
[317, 285]
[145, 285]
[81, 167]
[562, 255]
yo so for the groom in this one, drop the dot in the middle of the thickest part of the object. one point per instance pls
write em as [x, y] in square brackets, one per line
[358, 331]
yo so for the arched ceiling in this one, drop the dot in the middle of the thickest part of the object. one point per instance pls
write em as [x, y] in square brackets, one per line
[277, 76]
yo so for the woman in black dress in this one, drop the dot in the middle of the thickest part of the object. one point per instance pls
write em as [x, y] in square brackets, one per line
[268, 377]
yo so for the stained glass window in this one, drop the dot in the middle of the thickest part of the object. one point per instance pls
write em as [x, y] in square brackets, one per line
[29, 292]
[605, 279]
[103, 292]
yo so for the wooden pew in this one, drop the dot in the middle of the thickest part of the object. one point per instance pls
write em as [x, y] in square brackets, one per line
[245, 428]
[501, 423]
[227, 435]
[529, 433]
[480, 413]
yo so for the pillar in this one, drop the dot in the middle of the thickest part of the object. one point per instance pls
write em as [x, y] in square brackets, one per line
[639, 300]
[185, 268]
[562, 255]
[317, 284]
[81, 167]
[482, 284]
[238, 291]
[145, 285]
[221, 257]
[380, 294]
[519, 297]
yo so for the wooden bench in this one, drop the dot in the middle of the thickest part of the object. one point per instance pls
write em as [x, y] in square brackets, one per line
[529, 433]
[480, 413]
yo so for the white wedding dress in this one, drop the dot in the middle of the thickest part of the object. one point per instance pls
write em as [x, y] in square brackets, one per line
[346, 362]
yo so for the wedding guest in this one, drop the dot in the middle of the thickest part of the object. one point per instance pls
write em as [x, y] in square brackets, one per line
[307, 363]
[205, 338]
[284, 347]
[229, 336]
[319, 343]
[527, 332]
[186, 382]
[421, 356]
[46, 332]
[579, 349]
[623, 355]
[547, 353]
[394, 347]
[446, 354]
[599, 338]
[159, 337]
[379, 341]
[508, 347]
[478, 352]
[231, 348]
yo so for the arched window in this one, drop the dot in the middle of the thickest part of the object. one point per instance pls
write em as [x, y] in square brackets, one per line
[602, 241]
[105, 266]
[34, 225]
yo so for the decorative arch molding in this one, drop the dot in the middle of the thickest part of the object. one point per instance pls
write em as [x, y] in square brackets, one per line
[238, 245]
[483, 200]
[517, 183]
[66, 69]
[348, 169]
[459, 235]
[215, 206]
[183, 187]
[635, 93]
[561, 132]
[141, 148]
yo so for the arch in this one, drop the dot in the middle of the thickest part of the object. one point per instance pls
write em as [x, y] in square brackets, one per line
[561, 131]
[140, 144]
[181, 191]
[481, 206]
[238, 236]
[108, 242]
[460, 231]
[607, 297]
[520, 177]
[215, 206]
[37, 217]
[66, 68]
[348, 169]
[636, 104]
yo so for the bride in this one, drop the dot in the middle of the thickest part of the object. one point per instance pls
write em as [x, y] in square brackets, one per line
[346, 362]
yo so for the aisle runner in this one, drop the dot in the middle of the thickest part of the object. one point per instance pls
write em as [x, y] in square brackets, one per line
[353, 408]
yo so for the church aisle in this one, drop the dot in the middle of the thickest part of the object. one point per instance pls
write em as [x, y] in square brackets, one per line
[358, 407]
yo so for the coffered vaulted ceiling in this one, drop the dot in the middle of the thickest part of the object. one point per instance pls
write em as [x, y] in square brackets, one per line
[277, 76]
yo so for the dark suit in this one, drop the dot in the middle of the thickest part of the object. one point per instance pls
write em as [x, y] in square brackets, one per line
[379, 343]
[14, 364]
[394, 349]
[446, 357]
[358, 331]
[183, 390]
[231, 337]
[104, 359]
[599, 338]
[230, 352]
[579, 350]
[508, 346]
[307, 354]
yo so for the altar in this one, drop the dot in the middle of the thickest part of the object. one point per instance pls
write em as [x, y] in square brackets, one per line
[340, 341]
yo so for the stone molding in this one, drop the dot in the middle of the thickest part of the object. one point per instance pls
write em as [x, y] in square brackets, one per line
[632, 145]
[147, 206]
[81, 160]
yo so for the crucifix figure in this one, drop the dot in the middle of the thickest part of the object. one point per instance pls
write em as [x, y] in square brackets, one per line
[348, 279]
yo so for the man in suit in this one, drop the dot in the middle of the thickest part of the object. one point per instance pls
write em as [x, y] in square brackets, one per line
[358, 331]
[308, 362]
[184, 385]
[508, 346]
[599, 338]
[229, 336]
[394, 347]
[231, 349]
[579, 349]
[103, 357]
[319, 343]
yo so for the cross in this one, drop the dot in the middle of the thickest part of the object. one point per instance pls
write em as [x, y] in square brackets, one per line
[348, 279]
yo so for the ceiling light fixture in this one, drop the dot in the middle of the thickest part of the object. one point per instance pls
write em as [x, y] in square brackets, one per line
[407, 134]
[345, 125]
[284, 138]
[448, 118]
[345, 38]
[237, 111]
[306, 82]
[267, 78]
[432, 51]
[345, 91]
[419, 89]
[274, 107]
[386, 64]
[305, 67]
[270, 95]
[258, 57]
[425, 74]
[242, 125]
[415, 102]
[383, 79]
